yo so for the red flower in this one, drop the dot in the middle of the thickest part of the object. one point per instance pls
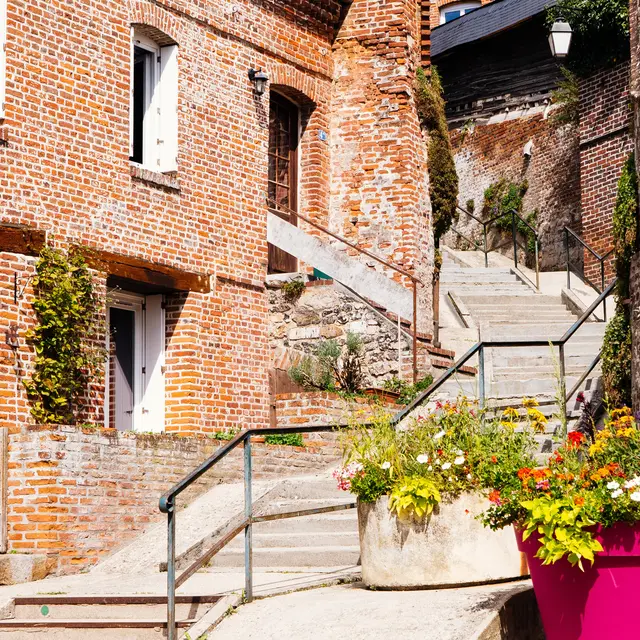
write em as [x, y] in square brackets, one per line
[580, 397]
[575, 439]
[440, 452]
[524, 473]
[494, 497]
[494, 460]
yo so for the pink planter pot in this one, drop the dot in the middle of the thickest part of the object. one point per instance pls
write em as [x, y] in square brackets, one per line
[600, 603]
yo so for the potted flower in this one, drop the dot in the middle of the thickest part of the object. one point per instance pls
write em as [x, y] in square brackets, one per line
[578, 521]
[420, 491]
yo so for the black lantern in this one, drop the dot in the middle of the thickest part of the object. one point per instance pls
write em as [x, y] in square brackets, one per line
[259, 79]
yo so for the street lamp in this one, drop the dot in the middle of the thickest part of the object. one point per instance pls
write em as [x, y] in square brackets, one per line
[260, 79]
[560, 38]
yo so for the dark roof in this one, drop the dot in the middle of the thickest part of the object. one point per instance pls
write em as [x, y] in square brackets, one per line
[484, 22]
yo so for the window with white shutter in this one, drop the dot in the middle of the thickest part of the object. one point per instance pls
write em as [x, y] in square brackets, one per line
[3, 56]
[154, 104]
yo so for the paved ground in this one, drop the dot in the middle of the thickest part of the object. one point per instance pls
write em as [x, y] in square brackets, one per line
[352, 612]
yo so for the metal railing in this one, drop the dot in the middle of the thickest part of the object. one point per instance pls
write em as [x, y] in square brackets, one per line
[486, 249]
[168, 502]
[275, 207]
[569, 234]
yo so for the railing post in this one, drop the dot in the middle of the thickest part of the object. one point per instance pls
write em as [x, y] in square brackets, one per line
[481, 380]
[486, 255]
[514, 232]
[537, 265]
[563, 390]
[436, 311]
[415, 331]
[248, 512]
[171, 573]
[566, 244]
[603, 287]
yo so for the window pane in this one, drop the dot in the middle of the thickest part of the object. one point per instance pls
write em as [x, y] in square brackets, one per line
[451, 15]
[283, 172]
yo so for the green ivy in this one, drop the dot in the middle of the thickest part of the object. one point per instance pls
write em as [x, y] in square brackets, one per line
[288, 439]
[600, 32]
[616, 349]
[501, 198]
[443, 178]
[567, 96]
[68, 355]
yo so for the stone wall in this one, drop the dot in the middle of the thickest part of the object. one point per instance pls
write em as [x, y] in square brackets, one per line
[485, 153]
[605, 145]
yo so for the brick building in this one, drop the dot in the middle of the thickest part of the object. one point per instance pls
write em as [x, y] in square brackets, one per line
[132, 131]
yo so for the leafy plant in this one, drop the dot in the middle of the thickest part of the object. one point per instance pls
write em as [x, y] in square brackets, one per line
[616, 349]
[371, 483]
[567, 96]
[333, 367]
[443, 178]
[414, 496]
[224, 435]
[292, 290]
[600, 32]
[66, 338]
[288, 439]
[408, 391]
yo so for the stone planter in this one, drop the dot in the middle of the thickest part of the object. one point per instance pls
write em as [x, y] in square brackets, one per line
[449, 548]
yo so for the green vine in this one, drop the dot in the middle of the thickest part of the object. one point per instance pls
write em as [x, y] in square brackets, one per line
[503, 197]
[443, 178]
[600, 32]
[65, 338]
[616, 350]
[567, 96]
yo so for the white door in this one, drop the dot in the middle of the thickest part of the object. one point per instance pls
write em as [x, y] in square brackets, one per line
[153, 366]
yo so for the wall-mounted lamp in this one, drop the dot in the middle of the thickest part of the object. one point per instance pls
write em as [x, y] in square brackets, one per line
[259, 79]
[560, 38]
[528, 149]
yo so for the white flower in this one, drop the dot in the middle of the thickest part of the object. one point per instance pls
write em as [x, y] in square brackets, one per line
[635, 496]
[459, 460]
[617, 493]
[450, 479]
[460, 452]
[430, 468]
[439, 435]
[446, 465]
[468, 476]
[386, 465]
[630, 484]
[613, 485]
[423, 458]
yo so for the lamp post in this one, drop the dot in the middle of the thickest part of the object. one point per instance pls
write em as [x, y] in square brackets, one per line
[560, 38]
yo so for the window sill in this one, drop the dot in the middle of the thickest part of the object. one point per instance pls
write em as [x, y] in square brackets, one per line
[155, 178]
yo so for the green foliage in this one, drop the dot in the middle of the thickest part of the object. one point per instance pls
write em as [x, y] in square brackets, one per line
[373, 483]
[292, 290]
[616, 350]
[224, 435]
[561, 523]
[333, 367]
[443, 178]
[501, 198]
[600, 32]
[567, 95]
[288, 439]
[65, 339]
[408, 391]
[414, 496]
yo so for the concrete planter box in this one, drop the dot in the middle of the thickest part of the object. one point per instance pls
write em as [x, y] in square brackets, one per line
[449, 548]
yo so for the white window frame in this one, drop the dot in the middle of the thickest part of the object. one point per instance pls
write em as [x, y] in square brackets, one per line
[138, 303]
[463, 7]
[3, 57]
[160, 123]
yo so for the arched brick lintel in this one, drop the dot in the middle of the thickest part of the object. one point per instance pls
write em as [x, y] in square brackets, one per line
[302, 89]
[158, 19]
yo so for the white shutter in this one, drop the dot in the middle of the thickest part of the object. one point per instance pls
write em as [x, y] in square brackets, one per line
[153, 377]
[130, 94]
[168, 139]
[3, 56]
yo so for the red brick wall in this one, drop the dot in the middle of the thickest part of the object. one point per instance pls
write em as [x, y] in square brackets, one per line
[488, 152]
[436, 5]
[605, 144]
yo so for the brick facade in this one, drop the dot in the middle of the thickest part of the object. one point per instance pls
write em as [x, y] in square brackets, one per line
[488, 152]
[605, 144]
[437, 5]
[65, 169]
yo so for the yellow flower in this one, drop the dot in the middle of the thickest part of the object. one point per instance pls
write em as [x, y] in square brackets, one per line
[510, 412]
[536, 416]
[619, 413]
[529, 402]
[509, 425]
[626, 433]
[598, 447]
[605, 434]
[539, 427]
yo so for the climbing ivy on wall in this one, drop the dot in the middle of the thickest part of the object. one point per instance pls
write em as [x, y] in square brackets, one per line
[600, 32]
[443, 178]
[65, 337]
[616, 349]
[501, 198]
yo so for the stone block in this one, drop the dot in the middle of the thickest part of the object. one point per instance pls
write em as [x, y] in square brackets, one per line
[16, 568]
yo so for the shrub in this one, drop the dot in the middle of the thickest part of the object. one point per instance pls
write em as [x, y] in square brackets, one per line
[292, 290]
[408, 391]
[288, 439]
[567, 95]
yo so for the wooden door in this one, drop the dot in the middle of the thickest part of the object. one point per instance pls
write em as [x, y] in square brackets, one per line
[283, 174]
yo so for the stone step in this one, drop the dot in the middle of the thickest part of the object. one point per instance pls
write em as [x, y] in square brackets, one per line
[453, 268]
[309, 556]
[338, 522]
[543, 331]
[506, 360]
[142, 629]
[491, 300]
[513, 318]
[464, 278]
[526, 372]
[469, 289]
[299, 538]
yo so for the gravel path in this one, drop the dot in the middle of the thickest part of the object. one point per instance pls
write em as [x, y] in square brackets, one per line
[352, 612]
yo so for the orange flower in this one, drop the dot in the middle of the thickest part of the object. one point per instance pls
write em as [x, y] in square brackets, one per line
[541, 474]
[494, 460]
[524, 473]
[494, 496]
[579, 501]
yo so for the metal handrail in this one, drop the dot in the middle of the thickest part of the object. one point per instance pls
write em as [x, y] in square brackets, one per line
[599, 258]
[414, 280]
[514, 215]
[167, 502]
